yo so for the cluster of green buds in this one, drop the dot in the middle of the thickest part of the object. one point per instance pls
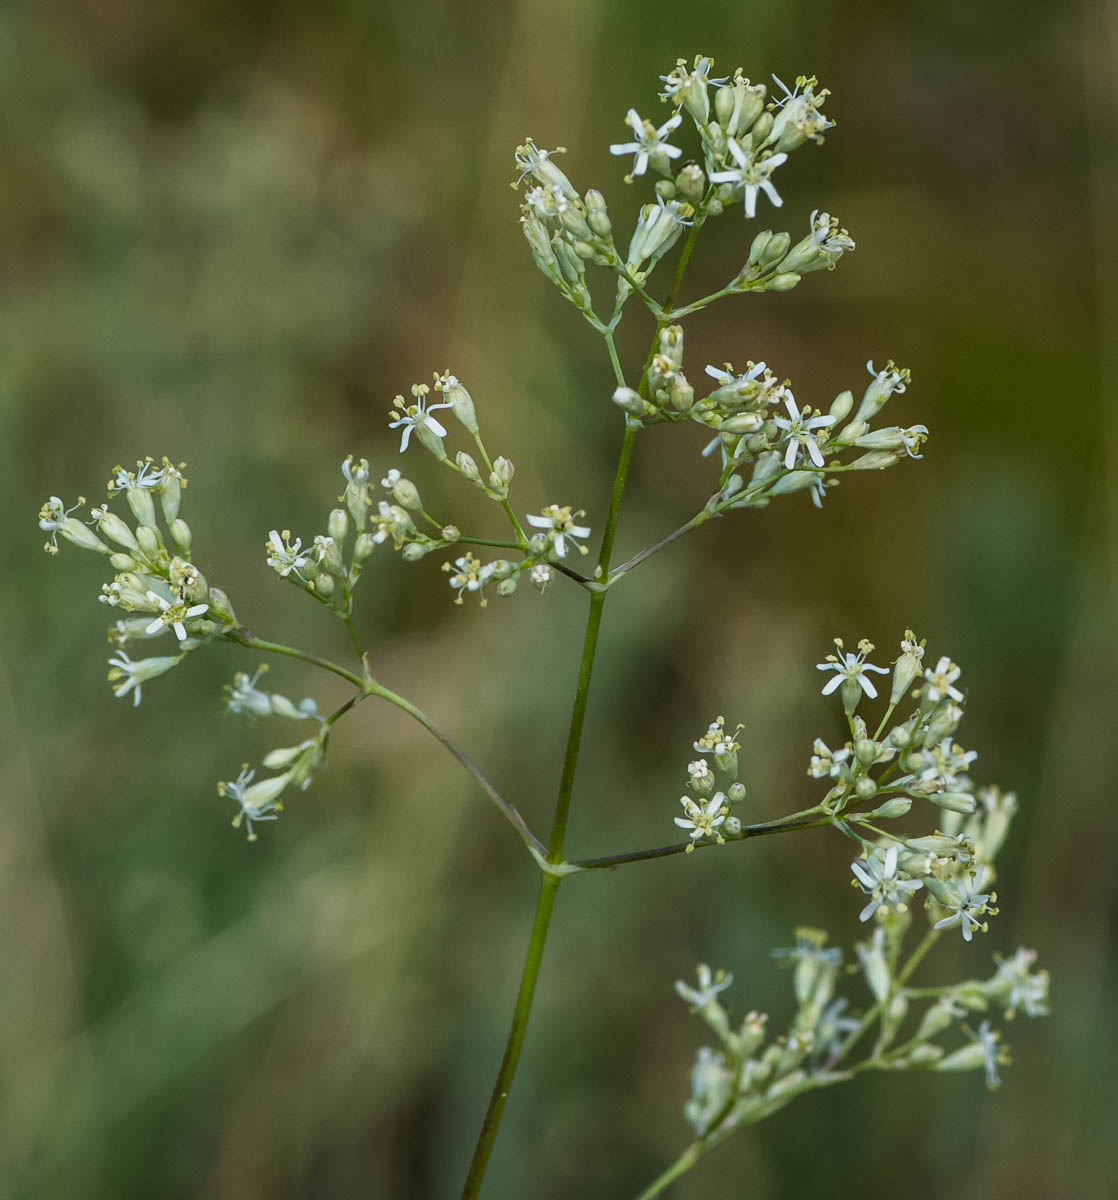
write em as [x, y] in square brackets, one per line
[713, 787]
[154, 582]
[758, 423]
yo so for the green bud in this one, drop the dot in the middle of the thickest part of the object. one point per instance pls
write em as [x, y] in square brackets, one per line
[323, 584]
[414, 551]
[681, 393]
[960, 802]
[841, 406]
[181, 536]
[762, 127]
[507, 587]
[596, 216]
[691, 183]
[220, 608]
[406, 494]
[714, 207]
[363, 547]
[504, 470]
[123, 562]
[462, 404]
[337, 524]
[632, 402]
[775, 249]
[736, 792]
[898, 806]
[468, 466]
[149, 540]
[865, 788]
[782, 283]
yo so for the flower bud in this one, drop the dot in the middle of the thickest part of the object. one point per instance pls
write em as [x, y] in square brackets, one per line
[337, 525]
[691, 183]
[897, 806]
[714, 207]
[504, 470]
[875, 460]
[776, 247]
[461, 402]
[507, 587]
[363, 547]
[220, 608]
[323, 585]
[681, 393]
[149, 540]
[782, 283]
[632, 402]
[596, 215]
[960, 802]
[406, 494]
[414, 551]
[841, 406]
[123, 562]
[762, 127]
[865, 788]
[736, 792]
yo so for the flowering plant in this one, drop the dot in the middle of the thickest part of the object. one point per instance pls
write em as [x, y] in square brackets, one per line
[759, 443]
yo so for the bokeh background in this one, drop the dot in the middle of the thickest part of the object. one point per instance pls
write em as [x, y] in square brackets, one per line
[231, 232]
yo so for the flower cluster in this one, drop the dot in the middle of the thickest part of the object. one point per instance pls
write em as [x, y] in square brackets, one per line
[713, 787]
[154, 582]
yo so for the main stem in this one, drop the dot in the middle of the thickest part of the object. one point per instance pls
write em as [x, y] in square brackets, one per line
[549, 885]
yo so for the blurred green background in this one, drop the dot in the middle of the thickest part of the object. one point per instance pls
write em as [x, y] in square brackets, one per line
[231, 232]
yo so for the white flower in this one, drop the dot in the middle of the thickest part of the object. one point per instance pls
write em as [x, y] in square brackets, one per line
[650, 141]
[540, 576]
[967, 905]
[147, 477]
[890, 378]
[391, 479]
[173, 615]
[417, 414]
[257, 801]
[941, 681]
[536, 162]
[471, 576]
[716, 740]
[851, 666]
[129, 676]
[752, 175]
[798, 117]
[799, 429]
[710, 984]
[285, 555]
[1022, 989]
[878, 878]
[559, 524]
[704, 820]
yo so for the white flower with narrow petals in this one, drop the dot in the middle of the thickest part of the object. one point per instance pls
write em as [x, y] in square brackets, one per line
[753, 175]
[941, 681]
[650, 143]
[851, 666]
[284, 555]
[173, 615]
[418, 414]
[127, 675]
[877, 877]
[710, 984]
[558, 522]
[256, 801]
[799, 430]
[967, 903]
[703, 820]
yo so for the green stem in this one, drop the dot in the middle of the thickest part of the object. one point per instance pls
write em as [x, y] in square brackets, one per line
[549, 886]
[518, 529]
[683, 1164]
[785, 825]
[508, 809]
[242, 637]
[637, 559]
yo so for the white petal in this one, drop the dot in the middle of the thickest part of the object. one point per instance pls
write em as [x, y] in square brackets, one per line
[539, 522]
[832, 685]
[867, 687]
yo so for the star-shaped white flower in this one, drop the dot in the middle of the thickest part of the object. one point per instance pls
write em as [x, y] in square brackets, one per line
[173, 615]
[752, 174]
[851, 666]
[941, 681]
[968, 905]
[878, 879]
[799, 429]
[558, 521]
[649, 142]
[703, 820]
[415, 415]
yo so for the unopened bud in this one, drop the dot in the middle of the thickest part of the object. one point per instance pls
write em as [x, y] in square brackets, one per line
[337, 524]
